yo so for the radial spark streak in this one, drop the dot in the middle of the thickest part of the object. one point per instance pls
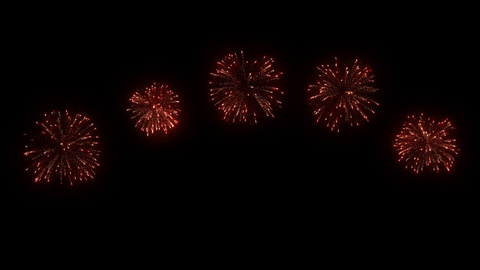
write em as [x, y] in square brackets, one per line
[426, 144]
[341, 96]
[243, 90]
[155, 108]
[65, 146]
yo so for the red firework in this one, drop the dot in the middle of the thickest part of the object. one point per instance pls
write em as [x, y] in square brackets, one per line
[242, 90]
[426, 144]
[341, 96]
[65, 146]
[155, 108]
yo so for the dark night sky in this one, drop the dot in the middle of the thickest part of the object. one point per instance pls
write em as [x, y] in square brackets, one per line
[288, 164]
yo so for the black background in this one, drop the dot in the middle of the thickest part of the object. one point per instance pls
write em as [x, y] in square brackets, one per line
[90, 60]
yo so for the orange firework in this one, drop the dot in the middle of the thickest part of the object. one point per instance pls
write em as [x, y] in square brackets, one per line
[155, 108]
[341, 96]
[424, 143]
[65, 146]
[241, 90]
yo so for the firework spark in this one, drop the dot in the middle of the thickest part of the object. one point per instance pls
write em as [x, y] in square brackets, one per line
[340, 96]
[241, 90]
[65, 146]
[155, 108]
[424, 143]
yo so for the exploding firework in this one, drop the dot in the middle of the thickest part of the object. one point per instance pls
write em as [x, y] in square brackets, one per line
[155, 108]
[65, 147]
[341, 96]
[241, 90]
[424, 143]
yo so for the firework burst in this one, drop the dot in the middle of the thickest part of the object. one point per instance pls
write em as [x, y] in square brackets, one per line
[155, 108]
[426, 144]
[340, 96]
[65, 146]
[242, 90]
